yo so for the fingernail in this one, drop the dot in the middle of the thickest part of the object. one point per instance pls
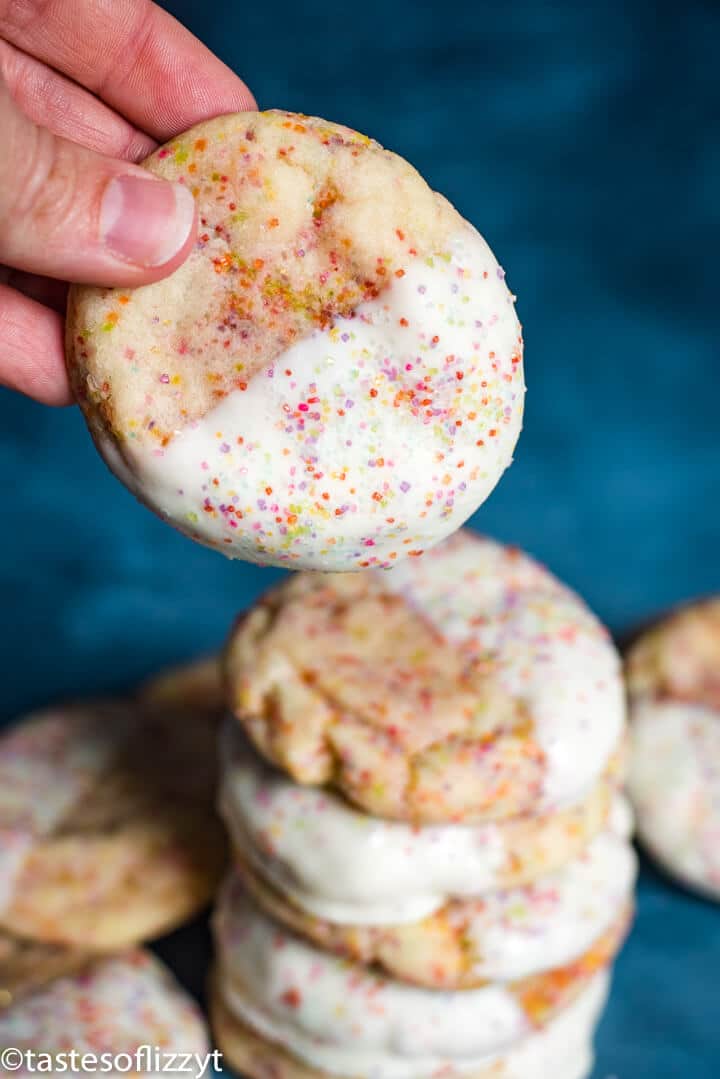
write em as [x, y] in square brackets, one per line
[145, 221]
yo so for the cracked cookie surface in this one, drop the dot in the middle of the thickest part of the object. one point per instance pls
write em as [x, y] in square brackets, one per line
[466, 685]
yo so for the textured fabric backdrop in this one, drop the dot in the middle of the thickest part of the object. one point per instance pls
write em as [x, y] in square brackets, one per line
[581, 139]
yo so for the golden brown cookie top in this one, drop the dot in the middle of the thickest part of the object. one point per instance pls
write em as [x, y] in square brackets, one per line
[467, 684]
[301, 219]
[95, 797]
[679, 658]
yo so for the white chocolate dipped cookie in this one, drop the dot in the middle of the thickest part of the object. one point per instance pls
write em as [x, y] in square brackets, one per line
[116, 1007]
[333, 379]
[466, 685]
[499, 936]
[673, 674]
[560, 1050]
[346, 1019]
[108, 834]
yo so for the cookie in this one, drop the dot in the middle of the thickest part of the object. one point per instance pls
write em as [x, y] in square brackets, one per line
[560, 1050]
[195, 687]
[341, 865]
[119, 1006]
[673, 674]
[346, 1019]
[332, 380]
[108, 833]
[25, 965]
[500, 936]
[469, 684]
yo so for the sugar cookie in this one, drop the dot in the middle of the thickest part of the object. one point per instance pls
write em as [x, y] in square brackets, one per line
[332, 380]
[469, 684]
[108, 834]
[673, 676]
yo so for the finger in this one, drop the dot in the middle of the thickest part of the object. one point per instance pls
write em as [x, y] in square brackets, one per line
[45, 290]
[66, 109]
[68, 213]
[133, 55]
[31, 349]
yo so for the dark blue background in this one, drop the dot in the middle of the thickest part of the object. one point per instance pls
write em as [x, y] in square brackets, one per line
[581, 139]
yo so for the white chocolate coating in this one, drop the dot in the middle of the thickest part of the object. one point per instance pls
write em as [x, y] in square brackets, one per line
[553, 654]
[346, 1019]
[674, 781]
[376, 436]
[115, 1006]
[339, 863]
[552, 921]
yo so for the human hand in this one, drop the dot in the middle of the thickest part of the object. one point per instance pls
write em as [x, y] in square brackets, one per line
[86, 88]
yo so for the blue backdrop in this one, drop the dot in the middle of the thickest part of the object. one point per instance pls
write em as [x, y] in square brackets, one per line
[581, 139]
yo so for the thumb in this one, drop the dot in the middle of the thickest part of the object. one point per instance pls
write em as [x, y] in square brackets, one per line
[69, 213]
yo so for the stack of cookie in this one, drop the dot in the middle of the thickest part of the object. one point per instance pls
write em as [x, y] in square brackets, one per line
[432, 868]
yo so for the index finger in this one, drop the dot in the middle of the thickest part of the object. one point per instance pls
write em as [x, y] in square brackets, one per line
[132, 54]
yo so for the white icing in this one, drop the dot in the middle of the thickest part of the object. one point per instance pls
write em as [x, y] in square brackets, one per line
[459, 332]
[553, 654]
[674, 781]
[561, 1050]
[346, 1019]
[557, 918]
[15, 846]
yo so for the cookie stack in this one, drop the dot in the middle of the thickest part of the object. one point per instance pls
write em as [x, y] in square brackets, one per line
[432, 871]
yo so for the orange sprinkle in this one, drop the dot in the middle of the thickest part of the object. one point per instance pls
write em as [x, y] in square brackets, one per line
[200, 145]
[223, 263]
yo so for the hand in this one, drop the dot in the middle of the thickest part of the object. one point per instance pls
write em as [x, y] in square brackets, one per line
[86, 88]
